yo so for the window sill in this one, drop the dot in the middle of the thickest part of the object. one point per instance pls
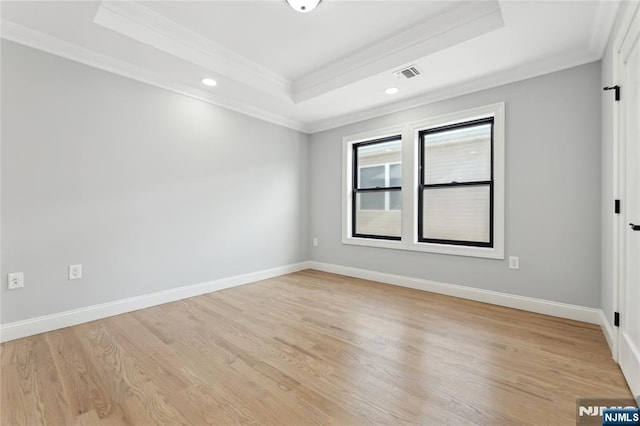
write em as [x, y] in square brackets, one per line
[371, 242]
[469, 251]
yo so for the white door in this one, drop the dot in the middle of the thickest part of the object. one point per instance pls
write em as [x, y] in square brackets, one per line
[629, 302]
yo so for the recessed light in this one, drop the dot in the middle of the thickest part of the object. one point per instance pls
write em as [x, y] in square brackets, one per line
[391, 90]
[209, 82]
[303, 6]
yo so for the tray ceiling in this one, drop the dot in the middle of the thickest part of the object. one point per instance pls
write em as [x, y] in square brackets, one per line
[322, 69]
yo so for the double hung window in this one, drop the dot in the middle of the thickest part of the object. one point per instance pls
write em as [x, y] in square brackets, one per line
[456, 184]
[436, 185]
[377, 188]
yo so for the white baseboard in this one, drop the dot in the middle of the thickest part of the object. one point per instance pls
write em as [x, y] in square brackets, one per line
[609, 334]
[18, 329]
[51, 322]
[630, 363]
[556, 309]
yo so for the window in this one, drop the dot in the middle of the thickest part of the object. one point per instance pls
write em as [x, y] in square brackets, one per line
[377, 188]
[455, 193]
[436, 185]
[387, 175]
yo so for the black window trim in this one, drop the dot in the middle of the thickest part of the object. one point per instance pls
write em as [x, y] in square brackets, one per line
[422, 186]
[355, 190]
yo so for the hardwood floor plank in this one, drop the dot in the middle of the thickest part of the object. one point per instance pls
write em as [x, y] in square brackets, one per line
[54, 397]
[83, 389]
[309, 348]
[89, 418]
[128, 377]
[21, 398]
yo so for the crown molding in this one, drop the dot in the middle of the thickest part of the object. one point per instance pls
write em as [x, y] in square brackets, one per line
[523, 72]
[602, 25]
[458, 23]
[603, 20]
[151, 28]
[454, 25]
[44, 42]
[28, 37]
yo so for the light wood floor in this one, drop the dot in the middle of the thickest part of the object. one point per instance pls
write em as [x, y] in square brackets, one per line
[310, 348]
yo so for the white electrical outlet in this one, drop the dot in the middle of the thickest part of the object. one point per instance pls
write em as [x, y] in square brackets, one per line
[315, 242]
[75, 272]
[16, 280]
[514, 262]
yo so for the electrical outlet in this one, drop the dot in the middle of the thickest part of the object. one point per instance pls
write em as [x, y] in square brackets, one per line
[16, 280]
[315, 242]
[514, 262]
[75, 272]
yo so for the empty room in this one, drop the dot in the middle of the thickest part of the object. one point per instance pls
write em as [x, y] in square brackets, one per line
[291, 212]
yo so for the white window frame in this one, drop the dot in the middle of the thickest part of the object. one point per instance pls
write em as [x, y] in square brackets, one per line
[410, 139]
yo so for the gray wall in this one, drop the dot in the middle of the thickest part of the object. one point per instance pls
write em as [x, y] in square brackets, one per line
[151, 190]
[552, 193]
[147, 189]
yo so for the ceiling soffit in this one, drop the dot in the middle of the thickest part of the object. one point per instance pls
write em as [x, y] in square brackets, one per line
[461, 22]
[458, 23]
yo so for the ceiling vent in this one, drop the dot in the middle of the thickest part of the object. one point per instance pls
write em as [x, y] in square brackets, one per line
[407, 73]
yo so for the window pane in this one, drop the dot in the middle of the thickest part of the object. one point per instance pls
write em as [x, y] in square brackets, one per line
[459, 213]
[378, 155]
[458, 155]
[395, 174]
[372, 177]
[371, 200]
[376, 222]
[395, 200]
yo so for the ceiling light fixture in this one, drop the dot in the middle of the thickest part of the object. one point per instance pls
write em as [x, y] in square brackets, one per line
[209, 82]
[303, 6]
[391, 90]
